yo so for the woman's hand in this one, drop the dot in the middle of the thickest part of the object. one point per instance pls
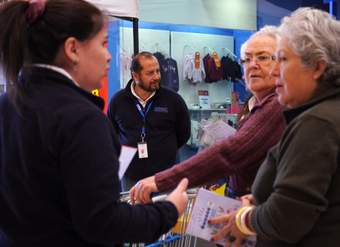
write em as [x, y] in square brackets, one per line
[248, 200]
[229, 229]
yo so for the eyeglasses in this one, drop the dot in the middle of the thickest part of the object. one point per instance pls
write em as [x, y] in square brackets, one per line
[262, 59]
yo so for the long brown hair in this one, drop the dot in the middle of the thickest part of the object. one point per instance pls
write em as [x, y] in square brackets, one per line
[23, 41]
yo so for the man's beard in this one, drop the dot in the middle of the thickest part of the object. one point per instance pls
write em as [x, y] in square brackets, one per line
[148, 89]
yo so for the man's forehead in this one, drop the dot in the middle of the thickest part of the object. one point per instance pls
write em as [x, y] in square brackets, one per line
[259, 49]
[148, 60]
[258, 52]
[260, 45]
[150, 64]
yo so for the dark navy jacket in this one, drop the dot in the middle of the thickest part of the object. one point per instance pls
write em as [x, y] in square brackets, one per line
[58, 171]
[169, 72]
[167, 129]
[171, 79]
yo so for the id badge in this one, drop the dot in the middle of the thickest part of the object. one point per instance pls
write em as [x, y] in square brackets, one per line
[142, 150]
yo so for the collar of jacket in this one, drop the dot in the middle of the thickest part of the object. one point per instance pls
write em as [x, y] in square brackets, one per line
[129, 93]
[331, 92]
[261, 103]
[38, 74]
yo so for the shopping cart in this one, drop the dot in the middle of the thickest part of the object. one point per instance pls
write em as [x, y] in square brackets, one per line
[176, 237]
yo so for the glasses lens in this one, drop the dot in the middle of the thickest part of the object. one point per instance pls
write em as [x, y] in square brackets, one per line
[262, 59]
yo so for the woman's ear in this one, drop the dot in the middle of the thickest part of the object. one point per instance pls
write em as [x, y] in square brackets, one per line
[320, 68]
[71, 50]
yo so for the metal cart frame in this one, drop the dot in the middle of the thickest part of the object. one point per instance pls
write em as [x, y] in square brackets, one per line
[176, 237]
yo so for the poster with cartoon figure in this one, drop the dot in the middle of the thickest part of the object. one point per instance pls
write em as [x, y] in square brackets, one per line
[207, 205]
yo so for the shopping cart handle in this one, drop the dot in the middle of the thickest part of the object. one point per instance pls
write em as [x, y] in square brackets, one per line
[159, 198]
[156, 197]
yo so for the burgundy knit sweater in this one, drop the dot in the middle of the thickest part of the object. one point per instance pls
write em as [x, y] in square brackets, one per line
[238, 156]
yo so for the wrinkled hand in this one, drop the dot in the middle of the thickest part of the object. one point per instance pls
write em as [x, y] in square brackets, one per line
[248, 200]
[179, 196]
[229, 229]
[141, 191]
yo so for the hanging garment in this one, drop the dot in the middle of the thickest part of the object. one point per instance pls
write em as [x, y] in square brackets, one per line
[170, 74]
[187, 67]
[231, 69]
[212, 67]
[198, 72]
[227, 65]
[237, 76]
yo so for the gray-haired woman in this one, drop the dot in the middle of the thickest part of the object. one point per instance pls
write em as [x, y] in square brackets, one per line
[296, 194]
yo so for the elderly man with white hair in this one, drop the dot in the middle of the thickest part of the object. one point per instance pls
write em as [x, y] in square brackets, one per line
[240, 155]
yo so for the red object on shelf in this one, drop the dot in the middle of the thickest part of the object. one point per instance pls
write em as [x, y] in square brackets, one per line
[235, 105]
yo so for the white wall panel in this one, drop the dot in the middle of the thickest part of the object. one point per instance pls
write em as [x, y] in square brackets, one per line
[231, 14]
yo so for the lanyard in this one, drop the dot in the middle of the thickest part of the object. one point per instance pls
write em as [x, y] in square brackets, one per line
[143, 113]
